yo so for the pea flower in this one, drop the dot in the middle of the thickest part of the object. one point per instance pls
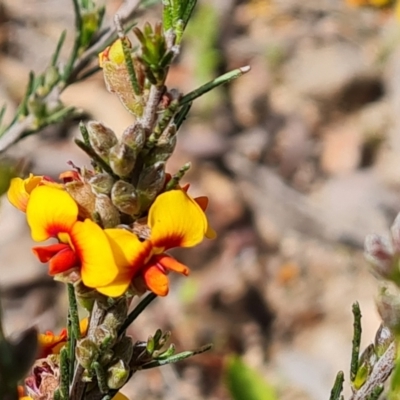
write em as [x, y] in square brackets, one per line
[175, 220]
[20, 190]
[49, 343]
[52, 213]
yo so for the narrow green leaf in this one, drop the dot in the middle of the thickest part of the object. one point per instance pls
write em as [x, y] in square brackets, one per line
[178, 357]
[244, 383]
[337, 386]
[129, 67]
[229, 76]
[60, 43]
[355, 351]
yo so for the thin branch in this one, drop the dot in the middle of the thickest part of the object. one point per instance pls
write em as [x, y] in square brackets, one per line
[379, 374]
[18, 128]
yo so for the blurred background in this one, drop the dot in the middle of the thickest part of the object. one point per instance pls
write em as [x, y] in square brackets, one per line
[300, 159]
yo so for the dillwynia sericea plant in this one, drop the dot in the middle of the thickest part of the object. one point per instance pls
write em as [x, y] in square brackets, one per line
[104, 230]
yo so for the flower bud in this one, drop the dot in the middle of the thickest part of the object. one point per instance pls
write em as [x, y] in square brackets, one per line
[87, 352]
[123, 196]
[104, 337]
[164, 147]
[85, 295]
[116, 77]
[101, 183]
[134, 137]
[383, 339]
[82, 193]
[101, 138]
[116, 315]
[108, 213]
[117, 375]
[388, 305]
[379, 252]
[51, 76]
[122, 159]
[151, 181]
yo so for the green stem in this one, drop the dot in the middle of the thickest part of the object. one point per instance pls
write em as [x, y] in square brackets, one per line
[213, 84]
[73, 330]
[136, 312]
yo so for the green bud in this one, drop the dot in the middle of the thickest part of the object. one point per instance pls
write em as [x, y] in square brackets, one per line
[166, 353]
[165, 145]
[36, 106]
[164, 339]
[87, 351]
[151, 181]
[123, 196]
[122, 159]
[51, 76]
[134, 137]
[101, 183]
[117, 375]
[101, 138]
[366, 364]
[151, 344]
[108, 213]
[123, 350]
[85, 295]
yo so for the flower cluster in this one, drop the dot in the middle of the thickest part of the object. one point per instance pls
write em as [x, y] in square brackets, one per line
[109, 260]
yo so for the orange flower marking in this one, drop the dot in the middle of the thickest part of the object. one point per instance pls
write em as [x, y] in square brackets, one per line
[176, 220]
[53, 213]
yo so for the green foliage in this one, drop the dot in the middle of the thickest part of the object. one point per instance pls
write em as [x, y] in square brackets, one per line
[245, 383]
[7, 172]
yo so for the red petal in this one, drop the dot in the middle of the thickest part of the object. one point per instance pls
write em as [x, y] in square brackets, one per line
[45, 253]
[63, 261]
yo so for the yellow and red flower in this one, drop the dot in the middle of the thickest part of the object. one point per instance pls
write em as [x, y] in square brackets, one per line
[175, 220]
[52, 213]
[109, 260]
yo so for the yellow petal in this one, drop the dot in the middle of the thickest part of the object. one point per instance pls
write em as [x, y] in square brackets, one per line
[20, 189]
[130, 255]
[120, 396]
[50, 211]
[98, 267]
[176, 220]
[113, 53]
